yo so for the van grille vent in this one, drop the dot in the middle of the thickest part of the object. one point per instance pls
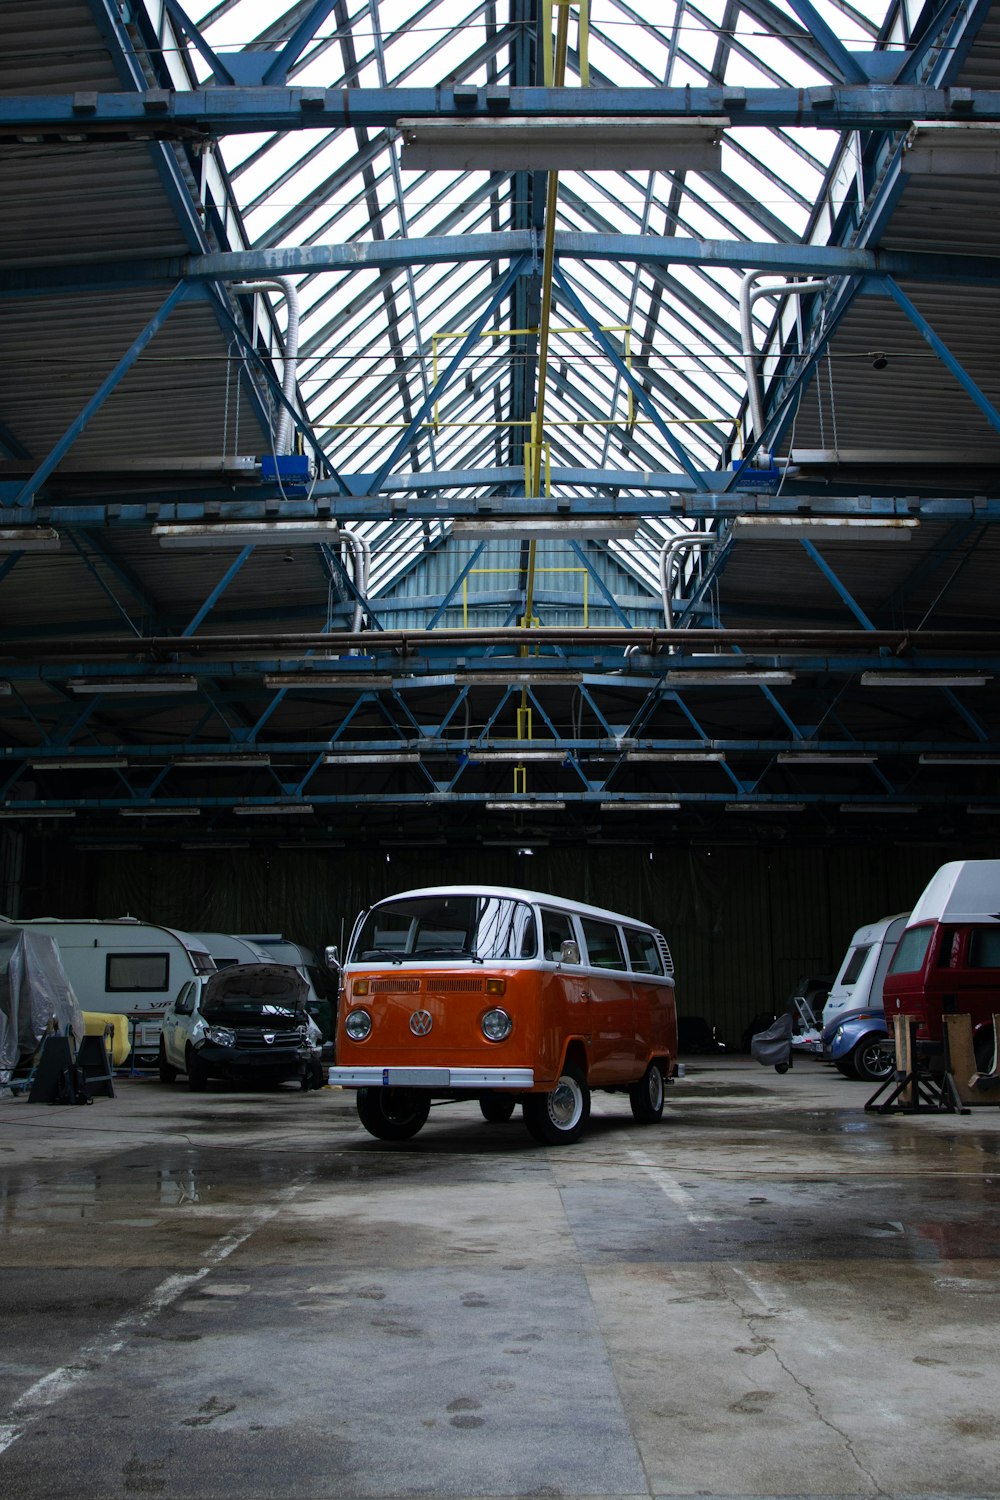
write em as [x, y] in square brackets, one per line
[457, 986]
[394, 986]
[668, 962]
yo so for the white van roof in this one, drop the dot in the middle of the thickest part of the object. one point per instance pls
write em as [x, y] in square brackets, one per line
[966, 890]
[516, 893]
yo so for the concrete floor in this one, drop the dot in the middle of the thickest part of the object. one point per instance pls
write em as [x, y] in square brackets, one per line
[770, 1293]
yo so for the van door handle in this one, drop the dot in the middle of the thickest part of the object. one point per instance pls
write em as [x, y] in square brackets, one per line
[585, 995]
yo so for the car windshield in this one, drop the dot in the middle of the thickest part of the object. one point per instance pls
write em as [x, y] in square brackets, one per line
[447, 926]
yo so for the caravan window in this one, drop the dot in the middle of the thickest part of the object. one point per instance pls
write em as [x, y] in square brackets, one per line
[855, 964]
[137, 971]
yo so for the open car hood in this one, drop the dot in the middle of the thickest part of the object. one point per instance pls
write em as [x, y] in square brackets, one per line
[253, 986]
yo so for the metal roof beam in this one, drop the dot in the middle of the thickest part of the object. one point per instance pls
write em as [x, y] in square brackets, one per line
[199, 113]
[397, 254]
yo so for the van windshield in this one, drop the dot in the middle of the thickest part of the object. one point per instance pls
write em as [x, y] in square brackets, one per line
[445, 926]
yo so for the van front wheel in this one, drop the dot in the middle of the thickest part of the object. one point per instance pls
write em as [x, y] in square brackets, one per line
[496, 1108]
[560, 1117]
[646, 1096]
[393, 1114]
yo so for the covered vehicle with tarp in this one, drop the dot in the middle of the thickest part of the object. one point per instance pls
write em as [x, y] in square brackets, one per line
[34, 991]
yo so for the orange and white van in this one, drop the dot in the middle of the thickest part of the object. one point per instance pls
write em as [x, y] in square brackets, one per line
[506, 996]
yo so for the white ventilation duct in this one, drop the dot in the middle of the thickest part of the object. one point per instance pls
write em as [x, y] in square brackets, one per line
[288, 289]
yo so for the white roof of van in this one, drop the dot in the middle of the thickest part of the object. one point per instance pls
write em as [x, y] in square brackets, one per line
[966, 890]
[514, 893]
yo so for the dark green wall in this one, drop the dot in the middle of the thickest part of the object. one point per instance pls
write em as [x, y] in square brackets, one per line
[743, 922]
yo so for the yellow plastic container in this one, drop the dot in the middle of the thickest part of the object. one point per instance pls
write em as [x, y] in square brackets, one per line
[94, 1022]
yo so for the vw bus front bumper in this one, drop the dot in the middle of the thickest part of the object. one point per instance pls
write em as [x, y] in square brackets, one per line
[432, 1078]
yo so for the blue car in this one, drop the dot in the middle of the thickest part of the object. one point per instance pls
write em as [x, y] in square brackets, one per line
[859, 1045]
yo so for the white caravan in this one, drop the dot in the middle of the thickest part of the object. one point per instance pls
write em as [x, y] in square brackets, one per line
[126, 967]
[858, 985]
[227, 949]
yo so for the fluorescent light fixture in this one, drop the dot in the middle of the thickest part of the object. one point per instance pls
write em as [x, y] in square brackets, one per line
[38, 812]
[116, 846]
[824, 528]
[116, 685]
[5, 688]
[693, 756]
[826, 757]
[511, 528]
[959, 759]
[308, 843]
[554, 143]
[925, 679]
[238, 758]
[215, 844]
[249, 534]
[271, 809]
[509, 677]
[645, 804]
[29, 539]
[514, 757]
[374, 758]
[343, 680]
[80, 763]
[527, 804]
[160, 812]
[728, 677]
[952, 148]
[878, 807]
[765, 807]
[983, 809]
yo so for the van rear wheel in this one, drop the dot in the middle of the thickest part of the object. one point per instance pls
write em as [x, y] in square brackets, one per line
[393, 1114]
[558, 1118]
[646, 1096]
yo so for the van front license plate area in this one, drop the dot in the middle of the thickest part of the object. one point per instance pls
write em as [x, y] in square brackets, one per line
[408, 1078]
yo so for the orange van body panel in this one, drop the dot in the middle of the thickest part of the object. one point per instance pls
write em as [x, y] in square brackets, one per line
[620, 1023]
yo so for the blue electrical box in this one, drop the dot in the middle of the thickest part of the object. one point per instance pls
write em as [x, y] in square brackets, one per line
[758, 479]
[286, 469]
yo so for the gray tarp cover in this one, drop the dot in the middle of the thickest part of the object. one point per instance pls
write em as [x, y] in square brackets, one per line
[33, 989]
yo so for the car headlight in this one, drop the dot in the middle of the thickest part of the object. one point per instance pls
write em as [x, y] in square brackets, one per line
[221, 1036]
[358, 1024]
[497, 1025]
[837, 1034]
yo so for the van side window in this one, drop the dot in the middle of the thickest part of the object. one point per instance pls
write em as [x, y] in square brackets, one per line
[912, 950]
[137, 971]
[984, 948]
[644, 955]
[604, 949]
[948, 952]
[556, 930]
[855, 963]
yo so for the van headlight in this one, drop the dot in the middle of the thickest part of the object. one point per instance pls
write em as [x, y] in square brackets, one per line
[221, 1036]
[497, 1025]
[358, 1024]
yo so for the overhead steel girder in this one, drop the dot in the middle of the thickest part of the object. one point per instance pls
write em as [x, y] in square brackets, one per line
[680, 502]
[165, 114]
[646, 249]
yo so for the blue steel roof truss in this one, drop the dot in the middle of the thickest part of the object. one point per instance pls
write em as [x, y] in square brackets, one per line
[381, 404]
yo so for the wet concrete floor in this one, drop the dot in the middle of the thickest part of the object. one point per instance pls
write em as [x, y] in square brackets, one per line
[236, 1294]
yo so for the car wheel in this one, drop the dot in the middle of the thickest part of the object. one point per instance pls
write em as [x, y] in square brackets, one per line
[167, 1070]
[497, 1108]
[845, 1066]
[875, 1059]
[197, 1073]
[393, 1114]
[558, 1118]
[646, 1096]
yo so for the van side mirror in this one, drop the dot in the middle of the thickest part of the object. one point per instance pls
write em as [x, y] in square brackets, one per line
[569, 952]
[331, 957]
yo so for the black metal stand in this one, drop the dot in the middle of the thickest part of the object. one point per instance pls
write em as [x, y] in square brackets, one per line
[929, 1091]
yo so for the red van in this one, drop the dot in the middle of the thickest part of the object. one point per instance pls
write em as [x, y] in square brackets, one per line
[948, 957]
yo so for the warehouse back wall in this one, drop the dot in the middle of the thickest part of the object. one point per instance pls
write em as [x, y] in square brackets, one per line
[744, 923]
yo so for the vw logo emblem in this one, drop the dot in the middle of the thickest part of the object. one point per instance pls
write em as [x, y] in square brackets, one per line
[421, 1022]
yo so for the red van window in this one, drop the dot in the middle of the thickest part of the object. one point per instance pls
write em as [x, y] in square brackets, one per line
[984, 948]
[950, 949]
[911, 951]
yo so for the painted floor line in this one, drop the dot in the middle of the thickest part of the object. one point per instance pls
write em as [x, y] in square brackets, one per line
[51, 1388]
